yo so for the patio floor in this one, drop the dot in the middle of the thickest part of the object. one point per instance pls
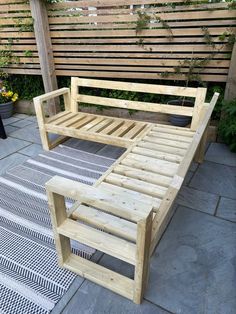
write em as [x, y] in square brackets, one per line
[193, 267]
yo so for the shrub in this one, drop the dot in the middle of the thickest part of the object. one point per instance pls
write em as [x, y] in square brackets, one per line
[227, 126]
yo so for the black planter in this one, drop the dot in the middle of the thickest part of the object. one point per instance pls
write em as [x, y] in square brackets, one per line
[179, 120]
[6, 110]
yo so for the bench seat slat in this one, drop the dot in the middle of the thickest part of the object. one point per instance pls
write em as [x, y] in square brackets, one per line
[156, 154]
[162, 148]
[157, 140]
[172, 136]
[136, 185]
[146, 176]
[106, 222]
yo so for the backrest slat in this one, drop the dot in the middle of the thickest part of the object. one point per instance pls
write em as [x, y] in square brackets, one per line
[198, 93]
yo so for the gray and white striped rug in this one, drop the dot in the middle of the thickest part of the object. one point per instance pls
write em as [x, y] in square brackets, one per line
[30, 279]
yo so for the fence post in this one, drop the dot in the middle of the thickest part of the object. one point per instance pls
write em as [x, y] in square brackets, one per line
[45, 52]
[230, 89]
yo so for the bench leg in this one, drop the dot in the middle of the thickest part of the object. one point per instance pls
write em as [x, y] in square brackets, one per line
[144, 229]
[199, 156]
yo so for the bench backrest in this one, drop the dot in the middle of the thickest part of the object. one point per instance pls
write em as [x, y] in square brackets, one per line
[199, 94]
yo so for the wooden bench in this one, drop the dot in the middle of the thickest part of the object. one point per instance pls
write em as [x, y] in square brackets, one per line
[125, 213]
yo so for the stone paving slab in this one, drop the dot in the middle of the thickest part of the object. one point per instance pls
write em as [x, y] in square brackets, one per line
[9, 129]
[93, 299]
[11, 145]
[10, 120]
[193, 267]
[221, 154]
[11, 161]
[32, 150]
[227, 209]
[215, 178]
[28, 133]
[192, 198]
[22, 123]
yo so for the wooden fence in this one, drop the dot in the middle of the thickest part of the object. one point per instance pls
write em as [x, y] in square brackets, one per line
[135, 39]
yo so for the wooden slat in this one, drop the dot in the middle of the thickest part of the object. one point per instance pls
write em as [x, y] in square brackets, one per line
[100, 275]
[73, 120]
[99, 240]
[62, 119]
[168, 167]
[157, 140]
[136, 185]
[173, 136]
[142, 175]
[112, 127]
[131, 193]
[153, 153]
[168, 16]
[104, 199]
[106, 222]
[137, 105]
[123, 129]
[162, 148]
[58, 115]
[101, 125]
[139, 87]
[169, 130]
[132, 133]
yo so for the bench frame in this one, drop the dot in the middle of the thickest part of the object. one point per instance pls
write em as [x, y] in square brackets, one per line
[152, 149]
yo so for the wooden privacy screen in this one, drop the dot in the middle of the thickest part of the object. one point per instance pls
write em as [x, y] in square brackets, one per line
[103, 38]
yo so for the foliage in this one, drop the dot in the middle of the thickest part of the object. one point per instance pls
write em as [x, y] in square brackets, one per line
[227, 126]
[142, 21]
[28, 86]
[7, 95]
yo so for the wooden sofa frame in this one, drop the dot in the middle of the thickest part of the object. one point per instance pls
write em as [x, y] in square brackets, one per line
[126, 211]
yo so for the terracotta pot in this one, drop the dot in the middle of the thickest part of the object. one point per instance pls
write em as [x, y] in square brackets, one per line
[179, 120]
[6, 110]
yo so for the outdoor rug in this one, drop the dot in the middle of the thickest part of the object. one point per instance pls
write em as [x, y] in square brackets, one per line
[30, 279]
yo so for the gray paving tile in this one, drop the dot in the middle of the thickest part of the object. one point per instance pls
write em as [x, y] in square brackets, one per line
[10, 120]
[32, 118]
[193, 267]
[11, 145]
[9, 129]
[227, 209]
[215, 178]
[11, 161]
[32, 150]
[221, 154]
[21, 115]
[199, 200]
[22, 123]
[94, 299]
[188, 177]
[28, 133]
[193, 166]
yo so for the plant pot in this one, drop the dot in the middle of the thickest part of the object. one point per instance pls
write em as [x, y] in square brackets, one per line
[179, 120]
[6, 110]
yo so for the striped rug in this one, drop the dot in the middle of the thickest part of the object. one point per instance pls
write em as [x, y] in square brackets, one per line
[30, 279]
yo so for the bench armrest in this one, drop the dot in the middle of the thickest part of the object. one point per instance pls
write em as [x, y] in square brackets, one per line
[38, 101]
[98, 197]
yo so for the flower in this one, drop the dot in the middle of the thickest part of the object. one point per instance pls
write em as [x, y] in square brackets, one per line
[7, 95]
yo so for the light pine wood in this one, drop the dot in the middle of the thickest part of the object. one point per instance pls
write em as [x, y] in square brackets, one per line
[230, 89]
[44, 46]
[126, 211]
[107, 240]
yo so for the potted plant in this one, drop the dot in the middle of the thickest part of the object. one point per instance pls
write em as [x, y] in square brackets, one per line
[7, 98]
